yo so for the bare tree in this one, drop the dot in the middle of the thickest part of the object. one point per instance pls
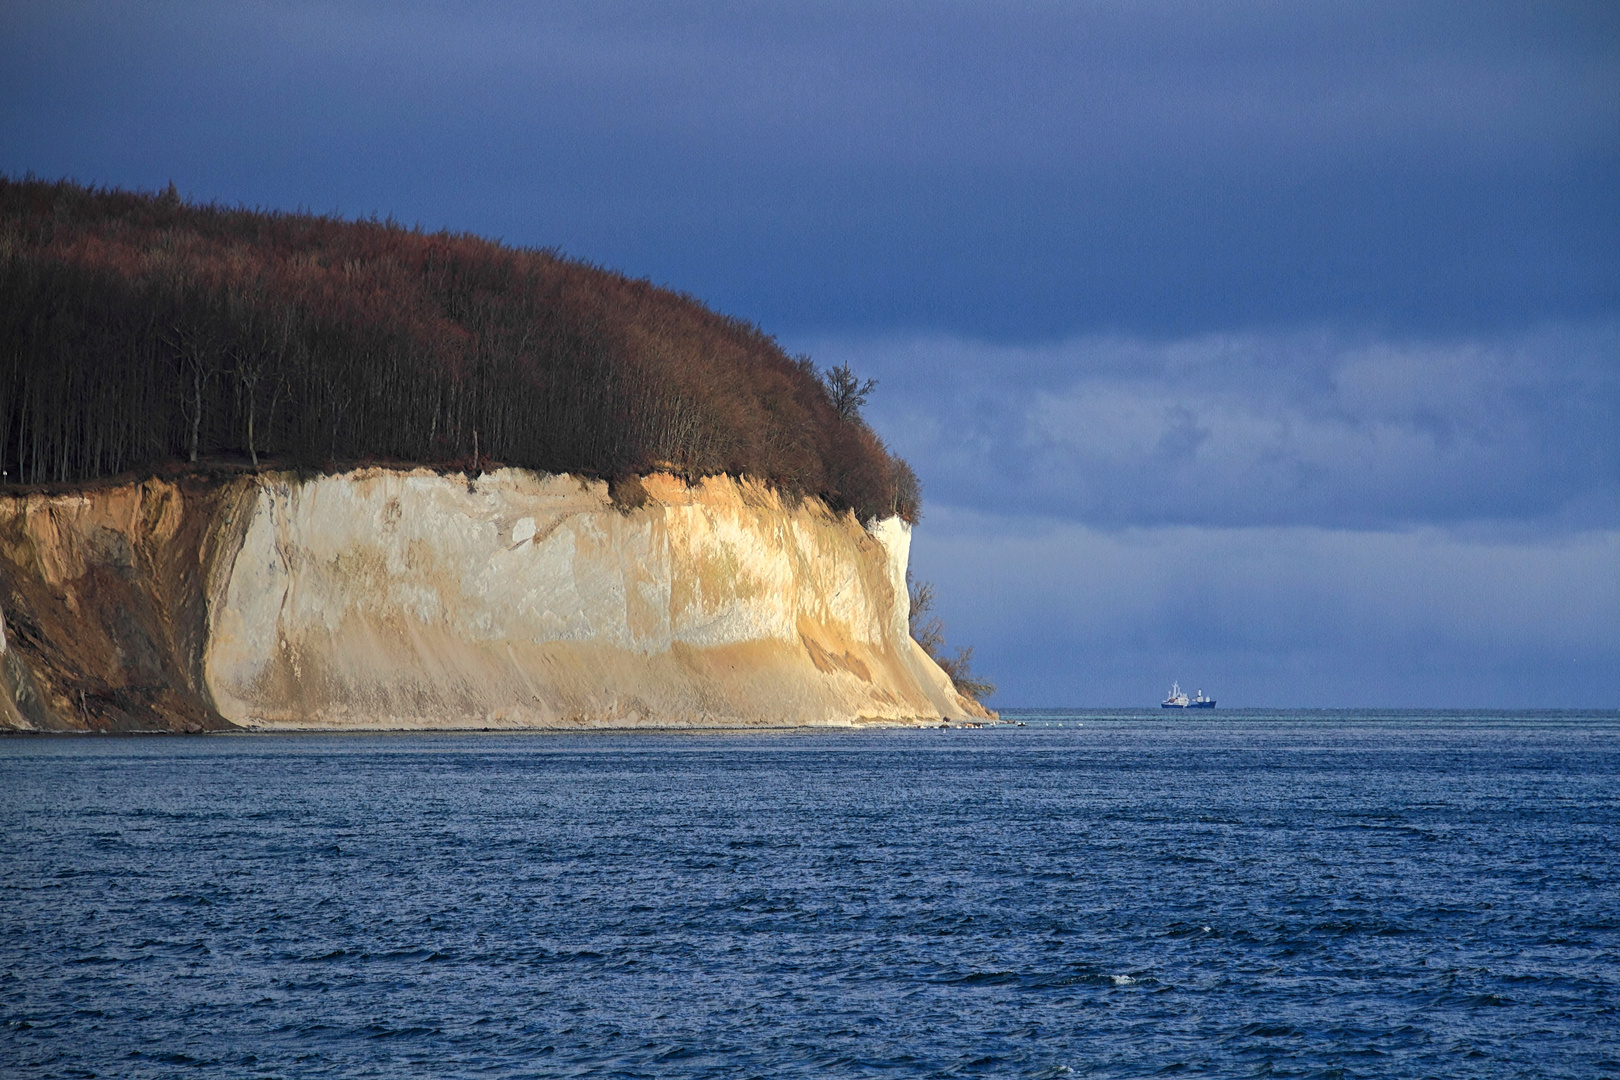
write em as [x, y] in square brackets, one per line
[848, 392]
[928, 631]
[193, 360]
[268, 335]
[926, 628]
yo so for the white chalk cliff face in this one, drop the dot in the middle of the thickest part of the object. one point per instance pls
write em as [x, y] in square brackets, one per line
[388, 599]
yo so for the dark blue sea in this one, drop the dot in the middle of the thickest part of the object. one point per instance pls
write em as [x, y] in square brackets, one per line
[1335, 894]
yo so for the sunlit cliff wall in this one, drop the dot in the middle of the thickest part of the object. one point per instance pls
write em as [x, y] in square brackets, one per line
[389, 599]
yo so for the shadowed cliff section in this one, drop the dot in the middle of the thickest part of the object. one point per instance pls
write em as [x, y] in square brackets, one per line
[137, 330]
[104, 599]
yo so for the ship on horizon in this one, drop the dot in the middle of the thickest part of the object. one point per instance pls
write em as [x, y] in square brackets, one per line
[1178, 699]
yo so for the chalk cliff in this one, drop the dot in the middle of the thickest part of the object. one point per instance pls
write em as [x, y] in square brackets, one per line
[411, 599]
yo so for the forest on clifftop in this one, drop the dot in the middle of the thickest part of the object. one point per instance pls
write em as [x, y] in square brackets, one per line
[138, 330]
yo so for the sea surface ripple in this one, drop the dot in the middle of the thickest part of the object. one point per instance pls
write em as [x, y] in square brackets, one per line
[1095, 894]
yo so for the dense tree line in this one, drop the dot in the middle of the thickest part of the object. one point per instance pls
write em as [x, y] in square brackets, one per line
[136, 329]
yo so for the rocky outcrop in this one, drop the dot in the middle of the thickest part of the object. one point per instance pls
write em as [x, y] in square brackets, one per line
[393, 599]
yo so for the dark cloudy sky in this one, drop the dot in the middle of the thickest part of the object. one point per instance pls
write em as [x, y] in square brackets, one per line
[1271, 347]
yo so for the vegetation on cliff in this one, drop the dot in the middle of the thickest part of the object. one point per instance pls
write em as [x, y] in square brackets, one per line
[928, 630]
[136, 329]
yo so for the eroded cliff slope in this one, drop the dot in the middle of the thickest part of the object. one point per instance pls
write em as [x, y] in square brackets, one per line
[389, 599]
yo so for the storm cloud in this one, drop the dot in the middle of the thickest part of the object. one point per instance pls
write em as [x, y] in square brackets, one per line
[1011, 171]
[1287, 517]
[1299, 428]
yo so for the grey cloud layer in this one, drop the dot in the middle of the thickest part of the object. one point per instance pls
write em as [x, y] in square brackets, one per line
[1017, 170]
[1289, 616]
[1282, 518]
[1260, 428]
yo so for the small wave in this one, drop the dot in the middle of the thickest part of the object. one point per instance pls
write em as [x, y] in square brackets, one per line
[173, 1057]
[1185, 929]
[983, 978]
[402, 954]
[1487, 1001]
[378, 1031]
[335, 954]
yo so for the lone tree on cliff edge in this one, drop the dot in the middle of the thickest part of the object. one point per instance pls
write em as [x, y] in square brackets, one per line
[848, 393]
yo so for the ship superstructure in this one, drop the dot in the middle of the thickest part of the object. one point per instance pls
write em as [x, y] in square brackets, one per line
[1178, 699]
